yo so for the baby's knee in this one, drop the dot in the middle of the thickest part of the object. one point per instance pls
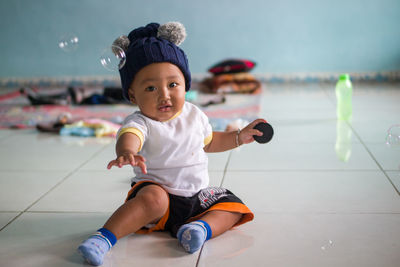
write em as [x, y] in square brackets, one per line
[154, 199]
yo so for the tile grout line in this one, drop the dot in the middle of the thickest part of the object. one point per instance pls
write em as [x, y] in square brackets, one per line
[269, 212]
[52, 188]
[259, 170]
[198, 258]
[331, 212]
[222, 182]
[16, 217]
[306, 170]
[226, 168]
[372, 156]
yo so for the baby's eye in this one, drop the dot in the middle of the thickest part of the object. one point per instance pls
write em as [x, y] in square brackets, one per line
[150, 89]
[172, 85]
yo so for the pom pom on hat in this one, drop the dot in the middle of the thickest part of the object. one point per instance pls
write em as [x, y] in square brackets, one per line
[174, 32]
[122, 42]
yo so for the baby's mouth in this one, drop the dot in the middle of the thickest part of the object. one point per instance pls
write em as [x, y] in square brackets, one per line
[165, 108]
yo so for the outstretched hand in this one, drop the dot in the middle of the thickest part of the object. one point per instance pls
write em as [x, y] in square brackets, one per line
[129, 159]
[246, 134]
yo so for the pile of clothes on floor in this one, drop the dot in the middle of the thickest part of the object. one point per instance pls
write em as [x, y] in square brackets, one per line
[64, 124]
[76, 96]
[231, 76]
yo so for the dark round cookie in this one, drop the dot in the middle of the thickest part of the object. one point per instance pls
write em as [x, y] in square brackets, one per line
[267, 130]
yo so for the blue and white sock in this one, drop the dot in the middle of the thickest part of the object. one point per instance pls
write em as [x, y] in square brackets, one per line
[193, 235]
[95, 247]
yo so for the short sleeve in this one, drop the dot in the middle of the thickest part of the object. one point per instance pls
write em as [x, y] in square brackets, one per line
[135, 124]
[207, 129]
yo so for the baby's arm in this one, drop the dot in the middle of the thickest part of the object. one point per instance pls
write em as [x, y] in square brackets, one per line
[223, 141]
[128, 145]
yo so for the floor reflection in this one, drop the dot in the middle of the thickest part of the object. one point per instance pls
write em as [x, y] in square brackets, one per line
[343, 140]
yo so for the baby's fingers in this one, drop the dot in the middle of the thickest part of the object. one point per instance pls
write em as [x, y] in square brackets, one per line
[255, 122]
[115, 162]
[142, 166]
[131, 160]
[255, 132]
[140, 158]
[123, 160]
[120, 161]
[140, 162]
[111, 163]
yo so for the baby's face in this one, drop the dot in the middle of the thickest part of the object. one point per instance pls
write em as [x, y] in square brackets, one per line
[159, 91]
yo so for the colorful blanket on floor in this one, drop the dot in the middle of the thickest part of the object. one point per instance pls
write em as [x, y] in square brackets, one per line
[17, 113]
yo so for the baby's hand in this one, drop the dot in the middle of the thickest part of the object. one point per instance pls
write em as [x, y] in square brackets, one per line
[246, 134]
[129, 159]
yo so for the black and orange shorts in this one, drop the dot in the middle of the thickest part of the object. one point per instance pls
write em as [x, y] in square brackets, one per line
[182, 210]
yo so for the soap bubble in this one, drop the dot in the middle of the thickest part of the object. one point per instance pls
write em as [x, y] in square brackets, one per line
[393, 135]
[113, 58]
[327, 245]
[68, 42]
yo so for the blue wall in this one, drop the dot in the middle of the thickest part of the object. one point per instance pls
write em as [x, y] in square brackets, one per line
[281, 36]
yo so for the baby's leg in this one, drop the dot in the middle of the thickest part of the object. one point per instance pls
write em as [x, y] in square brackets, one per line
[221, 221]
[148, 206]
[193, 235]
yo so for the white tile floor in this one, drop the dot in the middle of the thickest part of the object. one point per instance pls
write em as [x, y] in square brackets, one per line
[311, 208]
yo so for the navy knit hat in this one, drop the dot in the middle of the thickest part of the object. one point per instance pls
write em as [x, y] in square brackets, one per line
[151, 44]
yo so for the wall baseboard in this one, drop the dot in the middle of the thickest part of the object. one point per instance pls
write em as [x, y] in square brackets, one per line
[388, 76]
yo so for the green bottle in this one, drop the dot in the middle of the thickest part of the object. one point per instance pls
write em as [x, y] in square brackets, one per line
[344, 92]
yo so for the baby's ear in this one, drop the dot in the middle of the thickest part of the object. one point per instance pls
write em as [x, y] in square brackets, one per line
[131, 96]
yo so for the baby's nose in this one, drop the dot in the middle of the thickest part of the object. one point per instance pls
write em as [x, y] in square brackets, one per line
[163, 94]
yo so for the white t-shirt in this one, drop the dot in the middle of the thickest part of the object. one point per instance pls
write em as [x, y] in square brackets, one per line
[173, 149]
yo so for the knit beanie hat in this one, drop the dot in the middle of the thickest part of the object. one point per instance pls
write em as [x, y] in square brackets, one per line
[152, 44]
